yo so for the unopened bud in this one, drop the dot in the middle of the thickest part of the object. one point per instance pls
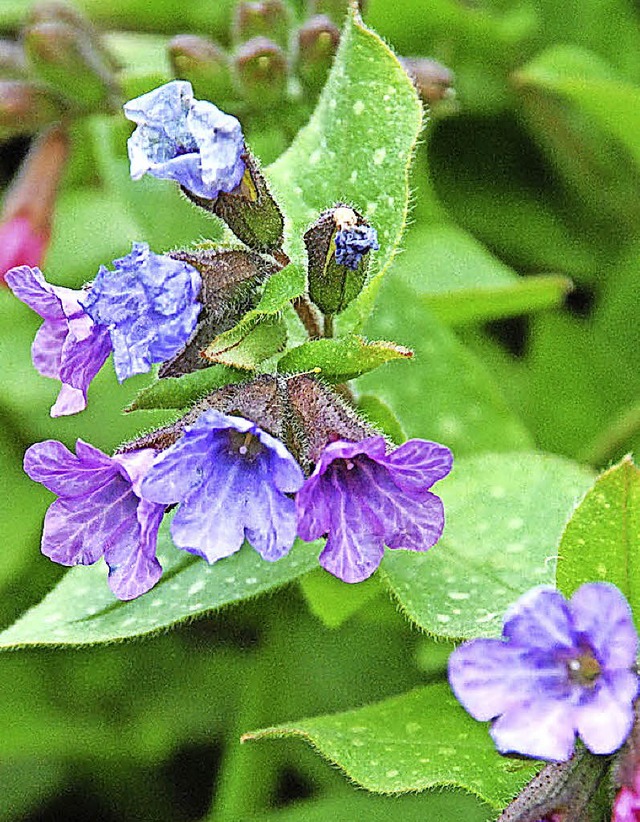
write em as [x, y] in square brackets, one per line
[261, 71]
[318, 41]
[433, 81]
[65, 58]
[28, 208]
[230, 283]
[337, 245]
[265, 18]
[13, 63]
[25, 108]
[204, 64]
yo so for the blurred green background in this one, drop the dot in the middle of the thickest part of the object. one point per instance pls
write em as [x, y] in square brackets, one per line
[531, 169]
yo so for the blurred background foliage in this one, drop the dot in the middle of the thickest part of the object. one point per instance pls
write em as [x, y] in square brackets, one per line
[518, 288]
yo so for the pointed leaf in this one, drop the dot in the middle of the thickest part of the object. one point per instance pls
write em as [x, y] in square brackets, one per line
[341, 359]
[181, 392]
[81, 610]
[248, 343]
[422, 739]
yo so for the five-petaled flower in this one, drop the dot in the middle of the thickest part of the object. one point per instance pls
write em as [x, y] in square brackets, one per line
[99, 512]
[353, 242]
[561, 669]
[69, 346]
[150, 306]
[187, 140]
[364, 499]
[231, 480]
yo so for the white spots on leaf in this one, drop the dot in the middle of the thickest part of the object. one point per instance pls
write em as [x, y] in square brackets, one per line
[230, 580]
[458, 595]
[498, 492]
[514, 547]
[358, 107]
[197, 606]
[413, 728]
[379, 156]
[156, 603]
[602, 570]
[372, 208]
[443, 618]
[353, 176]
[515, 523]
[251, 581]
[52, 618]
[391, 200]
[393, 773]
[197, 586]
[487, 617]
[358, 743]
[314, 157]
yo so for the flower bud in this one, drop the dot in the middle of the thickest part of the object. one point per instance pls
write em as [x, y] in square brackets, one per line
[266, 18]
[318, 40]
[230, 283]
[261, 72]
[65, 58]
[26, 108]
[336, 246]
[203, 64]
[27, 213]
[13, 63]
[433, 81]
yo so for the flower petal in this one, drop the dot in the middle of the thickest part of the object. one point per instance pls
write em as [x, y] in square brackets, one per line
[541, 728]
[417, 464]
[603, 615]
[605, 719]
[541, 619]
[270, 517]
[30, 286]
[134, 568]
[65, 474]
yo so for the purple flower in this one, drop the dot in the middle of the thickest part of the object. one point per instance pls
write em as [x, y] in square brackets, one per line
[364, 499]
[561, 669]
[626, 807]
[99, 512]
[231, 480]
[150, 306]
[68, 346]
[353, 242]
[187, 140]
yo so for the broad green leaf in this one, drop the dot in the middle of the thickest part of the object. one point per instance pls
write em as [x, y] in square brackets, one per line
[356, 148]
[248, 344]
[341, 359]
[504, 514]
[602, 538]
[334, 601]
[180, 392]
[444, 393]
[419, 740]
[81, 610]
[613, 103]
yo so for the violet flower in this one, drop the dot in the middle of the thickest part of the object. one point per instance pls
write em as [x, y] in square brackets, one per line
[150, 306]
[561, 669]
[186, 140]
[68, 346]
[364, 499]
[353, 242]
[626, 807]
[99, 512]
[231, 480]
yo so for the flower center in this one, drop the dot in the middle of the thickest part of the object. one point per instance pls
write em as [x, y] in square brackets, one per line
[245, 445]
[584, 669]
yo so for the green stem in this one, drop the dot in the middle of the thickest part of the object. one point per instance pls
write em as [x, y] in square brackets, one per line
[328, 325]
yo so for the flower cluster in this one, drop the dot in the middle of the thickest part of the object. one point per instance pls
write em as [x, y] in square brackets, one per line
[144, 312]
[235, 469]
[561, 669]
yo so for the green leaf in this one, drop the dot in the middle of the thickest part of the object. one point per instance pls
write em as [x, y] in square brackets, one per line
[576, 74]
[602, 538]
[81, 610]
[181, 392]
[444, 393]
[280, 289]
[356, 148]
[422, 739]
[382, 417]
[334, 601]
[248, 344]
[340, 359]
[504, 517]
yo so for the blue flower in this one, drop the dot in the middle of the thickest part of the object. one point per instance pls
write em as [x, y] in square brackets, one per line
[353, 242]
[99, 512]
[231, 480]
[187, 140]
[561, 669]
[150, 306]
